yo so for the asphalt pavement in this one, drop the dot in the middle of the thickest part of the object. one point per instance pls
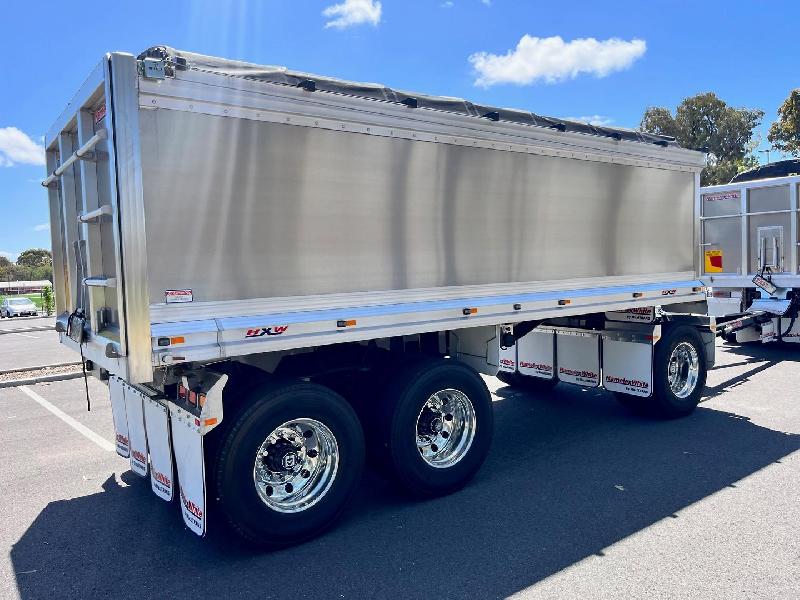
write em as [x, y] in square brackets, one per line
[577, 499]
[7, 324]
[30, 349]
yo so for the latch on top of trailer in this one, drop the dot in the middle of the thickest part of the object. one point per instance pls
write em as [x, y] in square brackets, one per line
[153, 68]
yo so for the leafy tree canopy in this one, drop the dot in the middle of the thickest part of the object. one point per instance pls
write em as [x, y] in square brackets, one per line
[705, 121]
[784, 134]
[35, 257]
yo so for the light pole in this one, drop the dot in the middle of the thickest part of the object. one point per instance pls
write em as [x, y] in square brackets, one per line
[767, 151]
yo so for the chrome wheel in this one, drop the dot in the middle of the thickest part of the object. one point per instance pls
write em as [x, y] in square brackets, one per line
[446, 427]
[296, 465]
[683, 370]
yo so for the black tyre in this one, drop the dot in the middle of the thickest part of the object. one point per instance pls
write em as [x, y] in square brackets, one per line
[288, 464]
[679, 375]
[526, 382]
[435, 425]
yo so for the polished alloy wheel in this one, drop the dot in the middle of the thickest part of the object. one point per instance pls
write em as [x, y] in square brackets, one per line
[296, 465]
[446, 427]
[683, 370]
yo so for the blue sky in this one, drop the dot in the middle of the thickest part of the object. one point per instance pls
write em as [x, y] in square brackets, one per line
[498, 52]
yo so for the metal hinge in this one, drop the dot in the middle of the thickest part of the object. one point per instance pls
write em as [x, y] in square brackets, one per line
[153, 68]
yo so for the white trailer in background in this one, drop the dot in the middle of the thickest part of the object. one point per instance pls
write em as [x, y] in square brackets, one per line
[278, 274]
[749, 245]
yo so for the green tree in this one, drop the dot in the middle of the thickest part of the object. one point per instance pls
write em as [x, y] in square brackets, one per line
[6, 269]
[47, 300]
[784, 134]
[35, 257]
[706, 121]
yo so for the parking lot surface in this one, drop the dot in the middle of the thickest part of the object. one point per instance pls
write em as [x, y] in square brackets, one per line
[29, 349]
[578, 499]
[26, 322]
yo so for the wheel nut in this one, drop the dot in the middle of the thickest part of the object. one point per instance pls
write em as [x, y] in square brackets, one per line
[312, 453]
[289, 488]
[445, 435]
[434, 447]
[448, 417]
[305, 473]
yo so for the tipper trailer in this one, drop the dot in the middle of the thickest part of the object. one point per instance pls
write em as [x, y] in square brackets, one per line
[750, 246]
[280, 274]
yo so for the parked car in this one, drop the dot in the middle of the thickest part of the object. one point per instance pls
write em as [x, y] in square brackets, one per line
[18, 307]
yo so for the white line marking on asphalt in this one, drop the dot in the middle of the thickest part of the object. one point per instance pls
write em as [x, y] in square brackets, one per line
[33, 337]
[79, 427]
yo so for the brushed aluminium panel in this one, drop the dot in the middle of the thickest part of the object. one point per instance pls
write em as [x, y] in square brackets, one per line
[768, 198]
[773, 220]
[246, 209]
[725, 235]
[128, 178]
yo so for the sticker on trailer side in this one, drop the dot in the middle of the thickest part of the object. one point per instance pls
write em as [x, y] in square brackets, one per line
[628, 367]
[188, 445]
[134, 408]
[178, 296]
[159, 444]
[536, 354]
[578, 358]
[640, 314]
[116, 391]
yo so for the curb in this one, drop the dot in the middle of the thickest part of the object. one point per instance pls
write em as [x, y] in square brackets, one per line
[37, 368]
[28, 329]
[41, 379]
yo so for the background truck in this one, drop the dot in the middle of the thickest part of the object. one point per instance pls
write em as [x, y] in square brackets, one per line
[280, 275]
[749, 242]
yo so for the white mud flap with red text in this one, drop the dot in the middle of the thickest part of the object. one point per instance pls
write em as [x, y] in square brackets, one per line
[536, 354]
[187, 440]
[159, 443]
[508, 358]
[578, 357]
[188, 428]
[628, 362]
[134, 409]
[117, 393]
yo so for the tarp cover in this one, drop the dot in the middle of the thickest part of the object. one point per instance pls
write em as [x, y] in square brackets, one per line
[781, 168]
[178, 59]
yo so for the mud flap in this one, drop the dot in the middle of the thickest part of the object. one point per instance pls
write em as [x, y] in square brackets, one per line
[159, 443]
[121, 437]
[187, 440]
[508, 358]
[536, 354]
[578, 357]
[628, 363]
[134, 408]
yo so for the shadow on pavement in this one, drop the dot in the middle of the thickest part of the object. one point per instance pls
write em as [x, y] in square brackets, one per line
[760, 356]
[546, 498]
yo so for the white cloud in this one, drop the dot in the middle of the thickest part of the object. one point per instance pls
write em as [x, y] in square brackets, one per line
[486, 2]
[42, 227]
[9, 255]
[552, 60]
[353, 12]
[17, 148]
[447, 4]
[598, 120]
